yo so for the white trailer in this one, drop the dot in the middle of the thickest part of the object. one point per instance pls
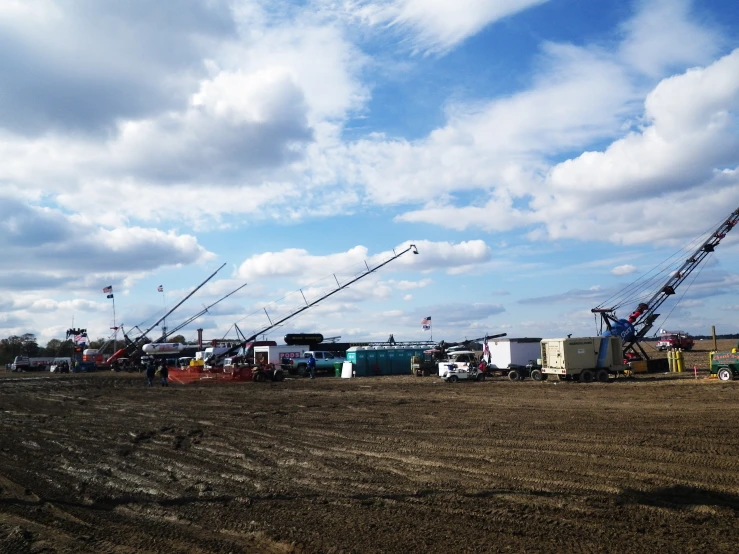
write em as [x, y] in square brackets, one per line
[275, 354]
[507, 352]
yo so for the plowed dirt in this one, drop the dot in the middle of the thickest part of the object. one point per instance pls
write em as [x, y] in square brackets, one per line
[100, 463]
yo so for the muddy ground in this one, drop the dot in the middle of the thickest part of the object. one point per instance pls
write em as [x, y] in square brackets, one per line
[99, 463]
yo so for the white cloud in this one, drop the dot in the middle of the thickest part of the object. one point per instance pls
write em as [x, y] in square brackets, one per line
[691, 133]
[347, 265]
[662, 35]
[626, 269]
[410, 285]
[441, 24]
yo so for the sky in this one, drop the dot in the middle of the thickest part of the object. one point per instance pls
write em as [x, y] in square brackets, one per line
[542, 155]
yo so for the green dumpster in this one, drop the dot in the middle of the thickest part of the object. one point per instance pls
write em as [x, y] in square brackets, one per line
[337, 369]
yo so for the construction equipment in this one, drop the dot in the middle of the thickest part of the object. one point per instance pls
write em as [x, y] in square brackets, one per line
[216, 360]
[132, 348]
[585, 359]
[633, 329]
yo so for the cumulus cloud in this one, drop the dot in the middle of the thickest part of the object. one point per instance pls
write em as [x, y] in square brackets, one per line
[432, 255]
[48, 249]
[89, 64]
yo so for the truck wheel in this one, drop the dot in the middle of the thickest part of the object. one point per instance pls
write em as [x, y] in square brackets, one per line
[302, 368]
[537, 375]
[259, 377]
[514, 375]
[586, 376]
[480, 376]
[602, 376]
[278, 376]
[453, 379]
[725, 374]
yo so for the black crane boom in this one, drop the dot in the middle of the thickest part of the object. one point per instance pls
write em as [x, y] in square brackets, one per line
[216, 359]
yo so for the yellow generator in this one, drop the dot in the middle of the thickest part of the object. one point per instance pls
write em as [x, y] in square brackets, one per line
[584, 359]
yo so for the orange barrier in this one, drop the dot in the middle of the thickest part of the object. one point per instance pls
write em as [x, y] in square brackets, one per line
[196, 374]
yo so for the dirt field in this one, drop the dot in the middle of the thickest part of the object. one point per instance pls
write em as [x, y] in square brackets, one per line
[100, 463]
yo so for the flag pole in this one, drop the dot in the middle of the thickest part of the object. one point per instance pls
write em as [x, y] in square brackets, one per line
[115, 329]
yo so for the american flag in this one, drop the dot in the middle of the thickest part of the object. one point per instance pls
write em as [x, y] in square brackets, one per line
[160, 288]
[426, 323]
[108, 289]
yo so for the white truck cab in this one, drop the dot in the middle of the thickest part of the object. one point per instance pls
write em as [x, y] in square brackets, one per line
[459, 359]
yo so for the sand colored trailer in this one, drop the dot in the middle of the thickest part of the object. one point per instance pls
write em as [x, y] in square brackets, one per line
[583, 358]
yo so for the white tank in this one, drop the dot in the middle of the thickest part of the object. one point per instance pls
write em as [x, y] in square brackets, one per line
[163, 348]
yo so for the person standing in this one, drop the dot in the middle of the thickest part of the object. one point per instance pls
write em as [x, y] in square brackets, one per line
[164, 374]
[150, 371]
[311, 366]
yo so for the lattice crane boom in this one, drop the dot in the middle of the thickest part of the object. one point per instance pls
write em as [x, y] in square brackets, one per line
[642, 319]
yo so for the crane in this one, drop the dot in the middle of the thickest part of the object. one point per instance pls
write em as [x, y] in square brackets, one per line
[217, 359]
[133, 346]
[641, 320]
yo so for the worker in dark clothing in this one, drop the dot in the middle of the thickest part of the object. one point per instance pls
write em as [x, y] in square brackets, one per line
[150, 371]
[311, 366]
[164, 374]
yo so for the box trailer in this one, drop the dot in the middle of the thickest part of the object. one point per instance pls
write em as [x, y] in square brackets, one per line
[583, 358]
[275, 354]
[506, 352]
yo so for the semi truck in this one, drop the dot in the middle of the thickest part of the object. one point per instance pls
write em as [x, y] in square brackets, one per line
[25, 363]
[584, 359]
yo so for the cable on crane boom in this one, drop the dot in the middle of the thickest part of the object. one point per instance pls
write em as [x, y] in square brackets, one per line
[217, 358]
[640, 321]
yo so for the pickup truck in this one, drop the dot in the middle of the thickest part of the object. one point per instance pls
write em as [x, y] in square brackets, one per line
[324, 361]
[460, 359]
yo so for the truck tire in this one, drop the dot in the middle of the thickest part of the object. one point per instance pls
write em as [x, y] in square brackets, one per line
[259, 377]
[725, 374]
[480, 376]
[537, 375]
[586, 376]
[453, 379]
[602, 376]
[514, 375]
[302, 369]
[278, 375]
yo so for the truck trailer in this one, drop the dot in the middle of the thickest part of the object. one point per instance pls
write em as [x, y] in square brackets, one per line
[504, 353]
[584, 359]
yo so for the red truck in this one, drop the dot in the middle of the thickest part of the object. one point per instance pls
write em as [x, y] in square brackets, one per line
[677, 339]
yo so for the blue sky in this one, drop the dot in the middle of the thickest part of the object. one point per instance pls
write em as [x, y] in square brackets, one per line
[542, 155]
